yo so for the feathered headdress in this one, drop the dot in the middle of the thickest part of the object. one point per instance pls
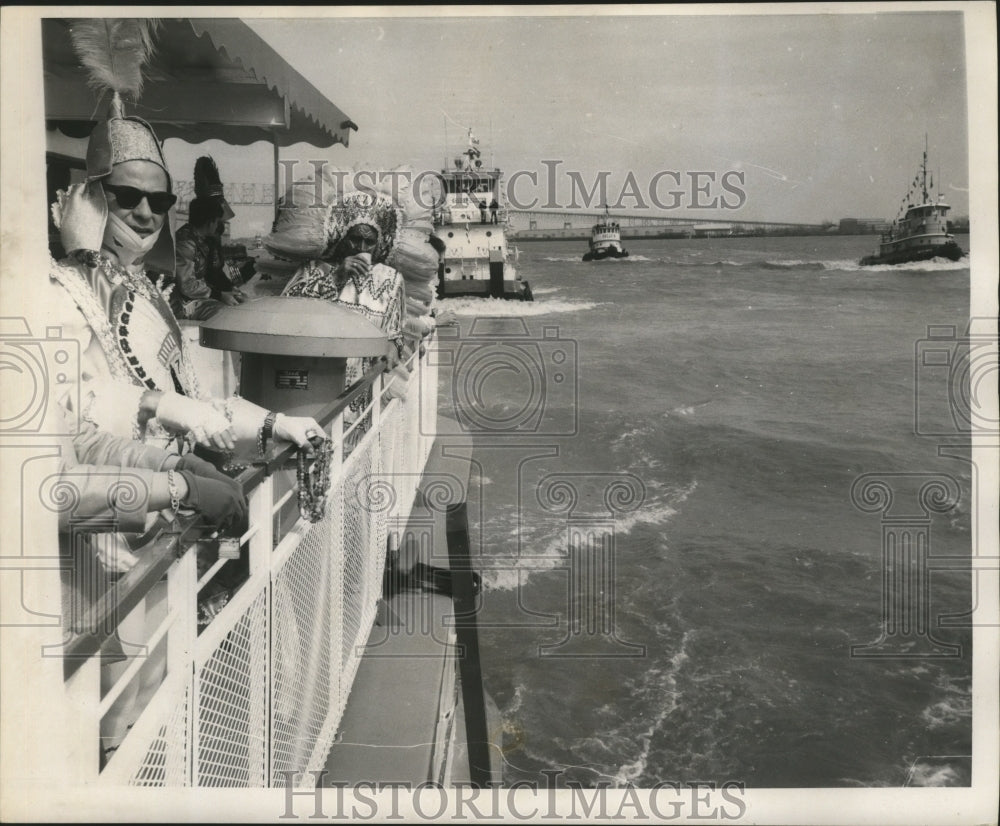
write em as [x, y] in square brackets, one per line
[351, 198]
[208, 184]
[114, 52]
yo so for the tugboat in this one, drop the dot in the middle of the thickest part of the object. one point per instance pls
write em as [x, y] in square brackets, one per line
[922, 232]
[605, 240]
[472, 221]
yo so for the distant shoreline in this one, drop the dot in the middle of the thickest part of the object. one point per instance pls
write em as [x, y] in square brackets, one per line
[537, 235]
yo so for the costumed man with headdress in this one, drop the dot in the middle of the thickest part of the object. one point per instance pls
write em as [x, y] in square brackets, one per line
[208, 187]
[135, 380]
[136, 377]
[203, 287]
[347, 245]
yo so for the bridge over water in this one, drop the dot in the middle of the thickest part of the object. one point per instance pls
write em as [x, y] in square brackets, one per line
[539, 223]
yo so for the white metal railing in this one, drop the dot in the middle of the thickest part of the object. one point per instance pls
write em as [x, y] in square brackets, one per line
[261, 690]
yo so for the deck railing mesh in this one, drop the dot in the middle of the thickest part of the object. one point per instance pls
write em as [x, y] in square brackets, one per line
[261, 690]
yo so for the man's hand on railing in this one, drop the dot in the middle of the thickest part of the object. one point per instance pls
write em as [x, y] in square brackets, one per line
[445, 318]
[114, 554]
[209, 426]
[220, 503]
[200, 467]
[297, 429]
[397, 380]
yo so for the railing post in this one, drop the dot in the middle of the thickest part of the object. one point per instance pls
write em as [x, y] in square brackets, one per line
[81, 690]
[261, 506]
[335, 506]
[182, 594]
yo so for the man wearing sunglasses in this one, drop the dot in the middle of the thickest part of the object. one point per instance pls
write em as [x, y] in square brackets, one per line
[136, 378]
[138, 202]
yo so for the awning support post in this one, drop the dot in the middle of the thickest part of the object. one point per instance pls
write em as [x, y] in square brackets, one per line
[274, 143]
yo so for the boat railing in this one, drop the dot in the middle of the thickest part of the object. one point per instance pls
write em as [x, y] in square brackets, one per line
[468, 214]
[261, 689]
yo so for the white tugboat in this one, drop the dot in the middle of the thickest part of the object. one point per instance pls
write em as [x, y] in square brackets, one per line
[922, 233]
[472, 221]
[605, 240]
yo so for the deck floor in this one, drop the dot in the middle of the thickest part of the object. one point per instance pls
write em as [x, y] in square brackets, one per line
[404, 721]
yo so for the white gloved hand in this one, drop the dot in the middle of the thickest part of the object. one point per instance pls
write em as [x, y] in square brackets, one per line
[209, 426]
[445, 318]
[114, 554]
[399, 377]
[297, 429]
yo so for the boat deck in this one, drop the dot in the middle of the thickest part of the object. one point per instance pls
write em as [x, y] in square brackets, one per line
[404, 721]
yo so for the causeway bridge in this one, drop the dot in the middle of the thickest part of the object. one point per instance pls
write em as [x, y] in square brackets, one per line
[532, 224]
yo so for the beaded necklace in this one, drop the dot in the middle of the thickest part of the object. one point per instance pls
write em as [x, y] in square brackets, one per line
[313, 479]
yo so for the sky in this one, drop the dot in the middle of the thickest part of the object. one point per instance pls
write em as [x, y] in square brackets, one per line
[824, 115]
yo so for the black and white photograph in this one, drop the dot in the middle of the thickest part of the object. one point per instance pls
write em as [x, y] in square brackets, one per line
[510, 414]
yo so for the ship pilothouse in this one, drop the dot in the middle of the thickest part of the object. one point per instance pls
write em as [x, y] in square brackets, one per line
[472, 219]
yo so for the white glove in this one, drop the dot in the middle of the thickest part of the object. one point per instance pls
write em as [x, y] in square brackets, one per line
[400, 376]
[114, 554]
[418, 326]
[209, 426]
[445, 318]
[296, 429]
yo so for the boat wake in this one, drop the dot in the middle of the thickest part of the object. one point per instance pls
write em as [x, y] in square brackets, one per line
[495, 307]
[931, 265]
[840, 265]
[576, 259]
[667, 689]
[538, 548]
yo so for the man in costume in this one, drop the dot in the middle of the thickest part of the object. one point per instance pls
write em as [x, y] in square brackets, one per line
[202, 284]
[136, 379]
[351, 269]
[348, 242]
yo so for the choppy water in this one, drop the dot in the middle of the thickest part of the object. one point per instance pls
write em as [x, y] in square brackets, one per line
[745, 383]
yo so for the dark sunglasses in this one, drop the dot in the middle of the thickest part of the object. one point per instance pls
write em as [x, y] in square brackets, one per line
[128, 197]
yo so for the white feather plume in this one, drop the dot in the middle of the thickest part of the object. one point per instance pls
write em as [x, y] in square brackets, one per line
[114, 51]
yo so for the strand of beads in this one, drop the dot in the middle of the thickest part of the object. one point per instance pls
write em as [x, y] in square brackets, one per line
[313, 479]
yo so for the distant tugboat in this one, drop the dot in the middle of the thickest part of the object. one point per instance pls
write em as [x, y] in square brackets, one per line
[605, 240]
[922, 233]
[472, 221]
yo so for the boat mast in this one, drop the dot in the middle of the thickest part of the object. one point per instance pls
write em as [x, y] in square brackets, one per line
[923, 181]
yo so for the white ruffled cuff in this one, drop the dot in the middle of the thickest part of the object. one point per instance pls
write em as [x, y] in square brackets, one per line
[117, 412]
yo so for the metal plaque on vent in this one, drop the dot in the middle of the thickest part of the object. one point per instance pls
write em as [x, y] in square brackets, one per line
[291, 379]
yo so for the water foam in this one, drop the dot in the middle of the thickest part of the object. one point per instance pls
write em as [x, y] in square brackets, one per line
[932, 265]
[651, 515]
[840, 265]
[518, 569]
[923, 775]
[578, 259]
[631, 434]
[498, 307]
[632, 771]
